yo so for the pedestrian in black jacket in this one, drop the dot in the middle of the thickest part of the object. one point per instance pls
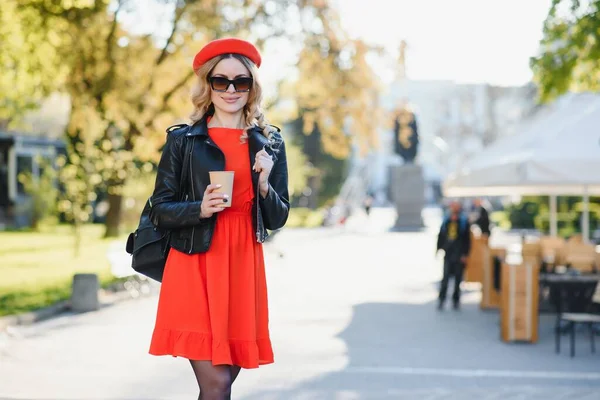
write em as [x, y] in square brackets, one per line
[454, 238]
[483, 217]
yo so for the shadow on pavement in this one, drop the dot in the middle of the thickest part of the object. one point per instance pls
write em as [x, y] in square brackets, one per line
[406, 351]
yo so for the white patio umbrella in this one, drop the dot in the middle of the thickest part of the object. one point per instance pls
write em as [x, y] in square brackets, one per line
[559, 154]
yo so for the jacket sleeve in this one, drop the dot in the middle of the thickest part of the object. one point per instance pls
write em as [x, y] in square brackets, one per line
[484, 221]
[167, 211]
[275, 207]
[466, 249]
[440, 238]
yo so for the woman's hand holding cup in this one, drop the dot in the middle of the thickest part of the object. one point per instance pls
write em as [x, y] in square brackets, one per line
[213, 202]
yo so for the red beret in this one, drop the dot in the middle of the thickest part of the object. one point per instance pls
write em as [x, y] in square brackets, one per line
[227, 46]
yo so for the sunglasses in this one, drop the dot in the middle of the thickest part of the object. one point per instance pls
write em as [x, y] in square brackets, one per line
[221, 84]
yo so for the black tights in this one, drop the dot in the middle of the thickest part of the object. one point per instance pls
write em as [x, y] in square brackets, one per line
[214, 381]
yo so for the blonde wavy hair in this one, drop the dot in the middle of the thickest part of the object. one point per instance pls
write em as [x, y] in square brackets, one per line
[252, 112]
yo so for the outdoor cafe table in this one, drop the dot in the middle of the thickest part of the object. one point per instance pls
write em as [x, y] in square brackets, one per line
[569, 292]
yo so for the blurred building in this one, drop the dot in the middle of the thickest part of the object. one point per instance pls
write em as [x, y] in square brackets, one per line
[21, 154]
[29, 150]
[455, 122]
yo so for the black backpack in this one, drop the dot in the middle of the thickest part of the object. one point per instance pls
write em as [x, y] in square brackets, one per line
[149, 245]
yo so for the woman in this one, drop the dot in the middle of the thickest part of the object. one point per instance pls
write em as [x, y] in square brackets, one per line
[213, 308]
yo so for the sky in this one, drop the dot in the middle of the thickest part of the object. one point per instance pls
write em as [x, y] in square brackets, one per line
[466, 41]
[469, 41]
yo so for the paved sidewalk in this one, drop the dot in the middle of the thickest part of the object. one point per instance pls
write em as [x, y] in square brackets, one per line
[352, 317]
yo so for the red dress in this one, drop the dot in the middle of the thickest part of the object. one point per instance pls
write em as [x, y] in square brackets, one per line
[213, 305]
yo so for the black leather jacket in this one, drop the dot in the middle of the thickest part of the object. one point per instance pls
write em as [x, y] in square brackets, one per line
[189, 232]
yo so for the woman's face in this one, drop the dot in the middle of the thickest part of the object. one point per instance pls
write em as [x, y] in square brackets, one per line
[223, 94]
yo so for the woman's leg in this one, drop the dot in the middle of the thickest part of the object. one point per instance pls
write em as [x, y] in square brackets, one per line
[214, 381]
[235, 371]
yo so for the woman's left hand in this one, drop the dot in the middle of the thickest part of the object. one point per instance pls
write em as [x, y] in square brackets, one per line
[263, 164]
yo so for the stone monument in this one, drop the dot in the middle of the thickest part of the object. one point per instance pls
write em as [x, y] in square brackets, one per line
[406, 181]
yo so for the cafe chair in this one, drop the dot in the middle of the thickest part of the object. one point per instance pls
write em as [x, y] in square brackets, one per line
[571, 320]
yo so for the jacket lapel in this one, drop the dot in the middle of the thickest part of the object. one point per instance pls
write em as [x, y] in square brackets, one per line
[200, 128]
[256, 141]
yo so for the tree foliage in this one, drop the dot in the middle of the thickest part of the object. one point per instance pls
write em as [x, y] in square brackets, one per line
[570, 49]
[29, 62]
[127, 86]
[336, 92]
[336, 96]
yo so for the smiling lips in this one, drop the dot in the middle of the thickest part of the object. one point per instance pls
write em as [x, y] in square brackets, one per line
[230, 100]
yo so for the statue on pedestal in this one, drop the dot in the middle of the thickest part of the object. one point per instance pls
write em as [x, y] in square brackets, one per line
[407, 184]
[406, 135]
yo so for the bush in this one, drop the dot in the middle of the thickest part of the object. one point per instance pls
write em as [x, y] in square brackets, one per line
[44, 193]
[314, 219]
[534, 213]
[135, 194]
[301, 217]
[501, 219]
[567, 222]
[522, 216]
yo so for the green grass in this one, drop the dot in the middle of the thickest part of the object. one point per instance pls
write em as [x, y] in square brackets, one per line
[37, 268]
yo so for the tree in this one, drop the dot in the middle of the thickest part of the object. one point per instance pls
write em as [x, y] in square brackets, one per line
[29, 63]
[127, 88]
[336, 96]
[570, 49]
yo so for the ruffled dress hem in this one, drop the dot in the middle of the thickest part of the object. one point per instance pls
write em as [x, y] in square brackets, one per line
[247, 354]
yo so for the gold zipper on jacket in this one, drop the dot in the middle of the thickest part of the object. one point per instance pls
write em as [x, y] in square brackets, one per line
[193, 195]
[258, 237]
[257, 210]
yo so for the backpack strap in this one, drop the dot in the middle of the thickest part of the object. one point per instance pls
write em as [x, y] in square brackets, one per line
[463, 223]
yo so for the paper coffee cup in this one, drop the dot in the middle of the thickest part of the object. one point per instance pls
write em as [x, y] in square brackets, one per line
[225, 179]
